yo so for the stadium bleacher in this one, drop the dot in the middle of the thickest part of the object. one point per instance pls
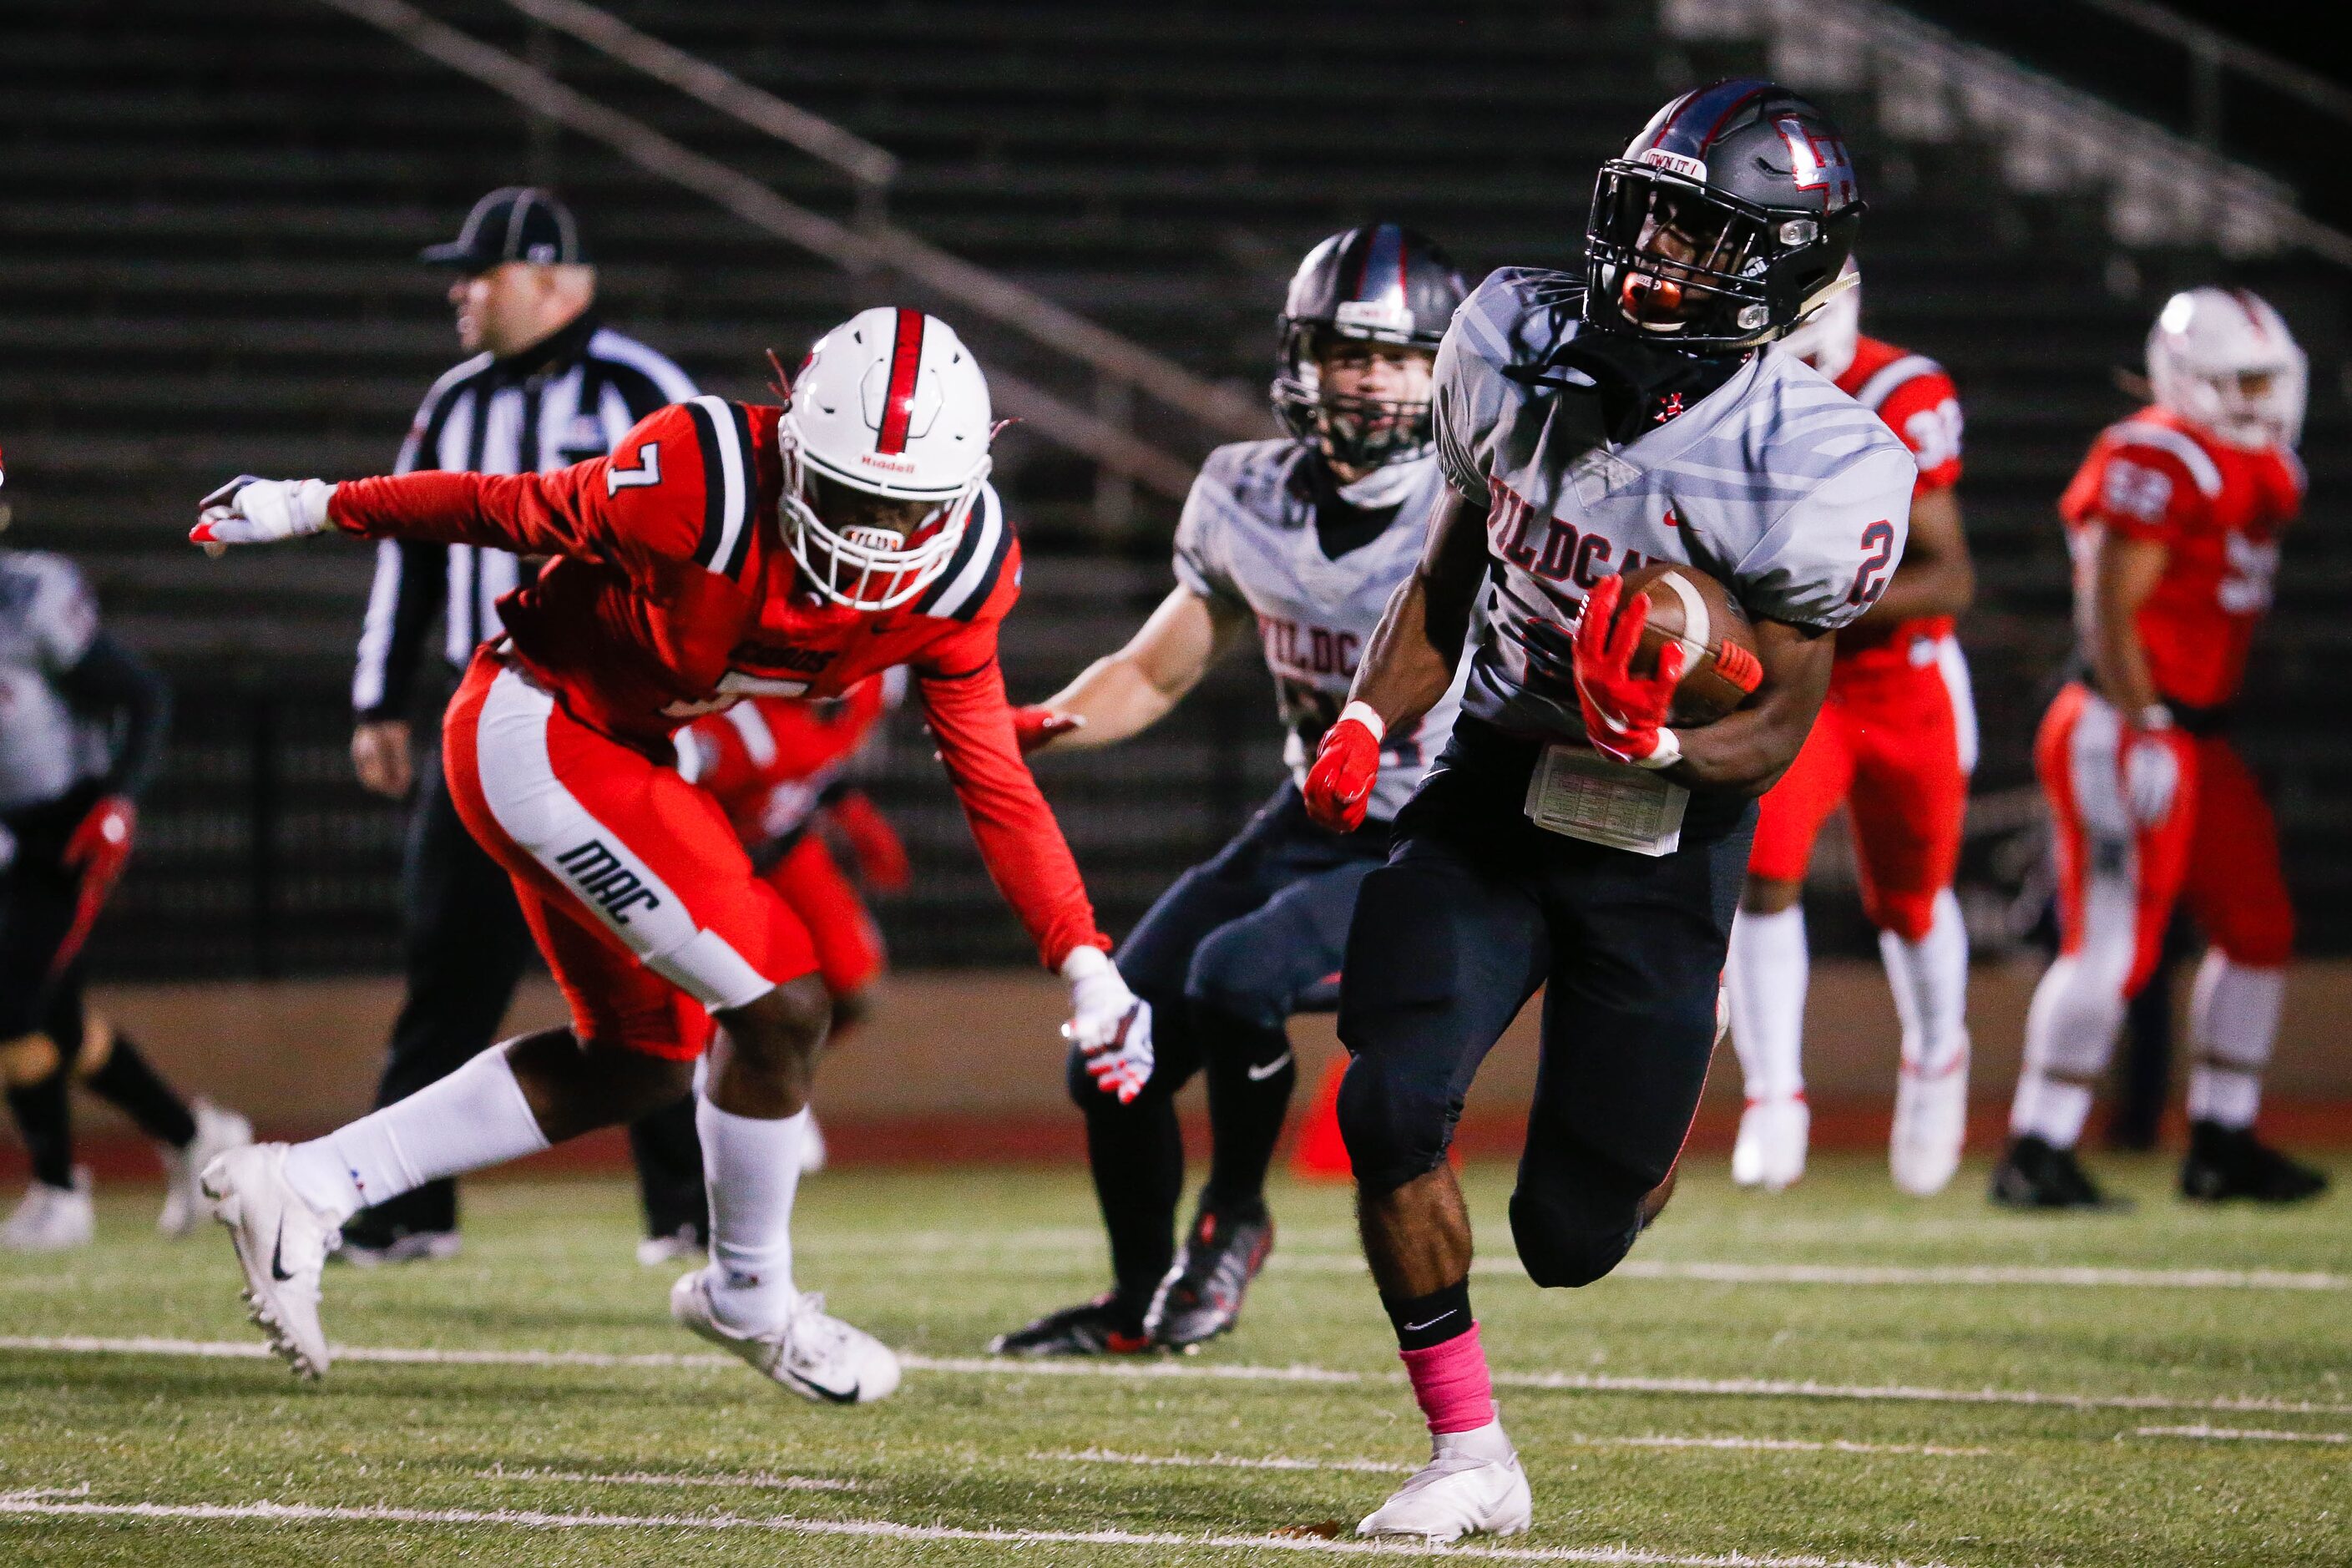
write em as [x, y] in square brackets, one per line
[205, 271]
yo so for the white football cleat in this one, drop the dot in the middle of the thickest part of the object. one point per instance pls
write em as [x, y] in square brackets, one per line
[217, 1131]
[1770, 1152]
[818, 1357]
[52, 1219]
[1931, 1124]
[282, 1244]
[1472, 1485]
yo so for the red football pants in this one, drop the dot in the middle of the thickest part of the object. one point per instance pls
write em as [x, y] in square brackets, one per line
[2117, 881]
[814, 886]
[634, 887]
[1896, 742]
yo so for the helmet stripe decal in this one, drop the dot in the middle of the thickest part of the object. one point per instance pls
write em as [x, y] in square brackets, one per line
[1739, 90]
[2253, 317]
[1383, 253]
[1734, 106]
[898, 404]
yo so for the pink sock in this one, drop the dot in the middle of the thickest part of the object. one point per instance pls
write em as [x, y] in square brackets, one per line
[1451, 1382]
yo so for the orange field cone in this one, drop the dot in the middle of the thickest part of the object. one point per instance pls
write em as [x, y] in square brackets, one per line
[1321, 1154]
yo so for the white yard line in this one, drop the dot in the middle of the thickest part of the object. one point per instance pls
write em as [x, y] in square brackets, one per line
[1224, 1462]
[1780, 1445]
[52, 1503]
[2003, 1275]
[1188, 1370]
[1578, 1440]
[2245, 1435]
[931, 1246]
[649, 1478]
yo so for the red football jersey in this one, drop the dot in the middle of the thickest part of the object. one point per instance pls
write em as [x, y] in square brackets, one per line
[1916, 400]
[671, 594]
[2218, 509]
[770, 760]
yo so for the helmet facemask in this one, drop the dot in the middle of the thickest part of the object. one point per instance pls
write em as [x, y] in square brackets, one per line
[1686, 265]
[1351, 429]
[882, 545]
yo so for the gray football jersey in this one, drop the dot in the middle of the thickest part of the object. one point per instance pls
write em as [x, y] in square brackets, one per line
[1780, 487]
[1248, 539]
[47, 620]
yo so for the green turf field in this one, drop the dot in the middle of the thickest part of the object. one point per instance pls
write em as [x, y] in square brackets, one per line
[1984, 1389]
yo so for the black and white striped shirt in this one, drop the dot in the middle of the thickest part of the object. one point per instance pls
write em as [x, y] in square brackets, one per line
[569, 399]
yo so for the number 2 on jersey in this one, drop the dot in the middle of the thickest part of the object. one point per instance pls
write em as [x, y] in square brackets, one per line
[1869, 582]
[647, 471]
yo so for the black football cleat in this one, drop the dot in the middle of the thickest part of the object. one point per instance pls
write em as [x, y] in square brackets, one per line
[2037, 1174]
[378, 1246]
[1201, 1297]
[1099, 1327]
[2227, 1162]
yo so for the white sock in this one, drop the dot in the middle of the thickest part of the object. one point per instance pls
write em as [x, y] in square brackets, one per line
[475, 1117]
[2234, 1017]
[1930, 980]
[2070, 1029]
[751, 1168]
[1765, 979]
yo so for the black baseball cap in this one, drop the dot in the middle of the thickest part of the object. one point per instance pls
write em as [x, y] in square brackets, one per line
[514, 223]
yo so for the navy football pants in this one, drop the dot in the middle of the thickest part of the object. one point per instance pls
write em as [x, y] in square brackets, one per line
[1478, 907]
[1228, 952]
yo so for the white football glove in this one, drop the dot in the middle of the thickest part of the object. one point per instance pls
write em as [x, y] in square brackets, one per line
[247, 510]
[2151, 776]
[1110, 1025]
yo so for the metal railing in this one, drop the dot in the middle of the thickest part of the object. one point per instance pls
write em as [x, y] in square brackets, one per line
[2161, 189]
[1120, 366]
[2214, 56]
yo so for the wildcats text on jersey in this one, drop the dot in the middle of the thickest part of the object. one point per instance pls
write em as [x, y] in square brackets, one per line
[1769, 479]
[1249, 538]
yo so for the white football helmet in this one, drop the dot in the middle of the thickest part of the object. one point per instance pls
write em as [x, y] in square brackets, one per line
[2204, 342]
[891, 403]
[1827, 338]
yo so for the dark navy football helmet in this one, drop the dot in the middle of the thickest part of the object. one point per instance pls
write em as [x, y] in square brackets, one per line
[1379, 284]
[1725, 222]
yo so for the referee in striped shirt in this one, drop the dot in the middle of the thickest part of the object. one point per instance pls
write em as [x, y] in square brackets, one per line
[548, 386]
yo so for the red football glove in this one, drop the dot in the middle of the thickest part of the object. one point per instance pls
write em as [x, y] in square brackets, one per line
[1033, 727]
[1346, 765]
[100, 848]
[881, 855]
[101, 844]
[1624, 713]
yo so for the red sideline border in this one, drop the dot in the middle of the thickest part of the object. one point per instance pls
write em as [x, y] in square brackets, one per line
[1060, 1140]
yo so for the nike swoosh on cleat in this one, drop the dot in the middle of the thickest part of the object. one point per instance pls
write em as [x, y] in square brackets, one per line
[830, 1395]
[1259, 1075]
[277, 1257]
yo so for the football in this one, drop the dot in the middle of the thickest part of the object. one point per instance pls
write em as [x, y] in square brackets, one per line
[1720, 670]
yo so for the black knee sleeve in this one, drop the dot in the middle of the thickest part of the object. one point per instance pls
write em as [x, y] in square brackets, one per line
[1574, 1215]
[1396, 1125]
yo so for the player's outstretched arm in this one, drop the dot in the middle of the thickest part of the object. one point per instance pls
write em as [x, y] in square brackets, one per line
[1747, 752]
[1938, 577]
[1408, 664]
[962, 695]
[1127, 692]
[644, 508]
[529, 514]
